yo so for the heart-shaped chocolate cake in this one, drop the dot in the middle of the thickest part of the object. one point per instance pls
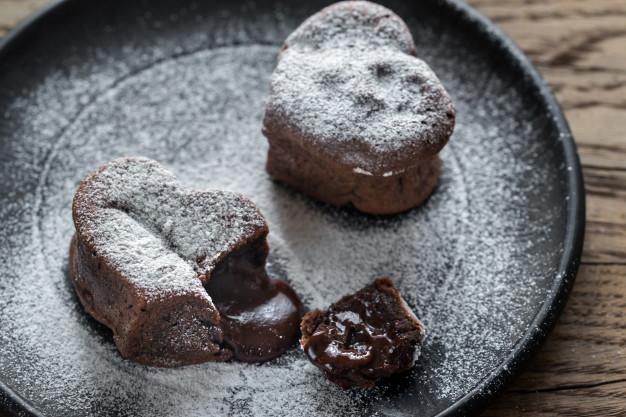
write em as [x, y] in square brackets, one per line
[177, 274]
[353, 116]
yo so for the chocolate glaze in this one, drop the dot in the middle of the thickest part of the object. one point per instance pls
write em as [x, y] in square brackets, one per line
[363, 337]
[259, 316]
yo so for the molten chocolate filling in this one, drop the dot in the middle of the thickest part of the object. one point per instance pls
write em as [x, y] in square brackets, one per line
[259, 316]
[348, 340]
[363, 337]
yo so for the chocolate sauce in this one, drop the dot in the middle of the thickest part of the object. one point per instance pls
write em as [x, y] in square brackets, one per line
[363, 337]
[348, 341]
[259, 316]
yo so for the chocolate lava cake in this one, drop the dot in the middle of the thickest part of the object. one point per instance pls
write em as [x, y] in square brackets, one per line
[353, 116]
[178, 275]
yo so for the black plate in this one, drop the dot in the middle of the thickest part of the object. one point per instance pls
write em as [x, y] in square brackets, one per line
[487, 261]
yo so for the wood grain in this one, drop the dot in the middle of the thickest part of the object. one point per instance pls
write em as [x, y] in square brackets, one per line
[579, 46]
[12, 11]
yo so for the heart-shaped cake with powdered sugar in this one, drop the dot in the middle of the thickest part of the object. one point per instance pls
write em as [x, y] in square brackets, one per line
[353, 116]
[177, 274]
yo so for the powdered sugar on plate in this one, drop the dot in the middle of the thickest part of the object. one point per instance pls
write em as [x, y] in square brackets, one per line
[473, 262]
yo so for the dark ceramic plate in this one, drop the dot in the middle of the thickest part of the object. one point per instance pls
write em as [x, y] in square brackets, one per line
[487, 261]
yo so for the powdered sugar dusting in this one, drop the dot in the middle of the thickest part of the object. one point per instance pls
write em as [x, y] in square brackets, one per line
[345, 85]
[160, 235]
[473, 262]
[347, 23]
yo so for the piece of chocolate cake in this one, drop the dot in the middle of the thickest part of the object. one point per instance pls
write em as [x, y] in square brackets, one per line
[177, 274]
[353, 116]
[363, 337]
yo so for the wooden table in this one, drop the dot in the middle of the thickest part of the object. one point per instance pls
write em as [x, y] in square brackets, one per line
[580, 48]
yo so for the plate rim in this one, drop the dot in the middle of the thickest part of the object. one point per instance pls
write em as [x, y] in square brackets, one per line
[546, 318]
[486, 391]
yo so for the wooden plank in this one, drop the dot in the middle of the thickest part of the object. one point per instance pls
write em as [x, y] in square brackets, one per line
[601, 400]
[12, 11]
[605, 239]
[600, 133]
